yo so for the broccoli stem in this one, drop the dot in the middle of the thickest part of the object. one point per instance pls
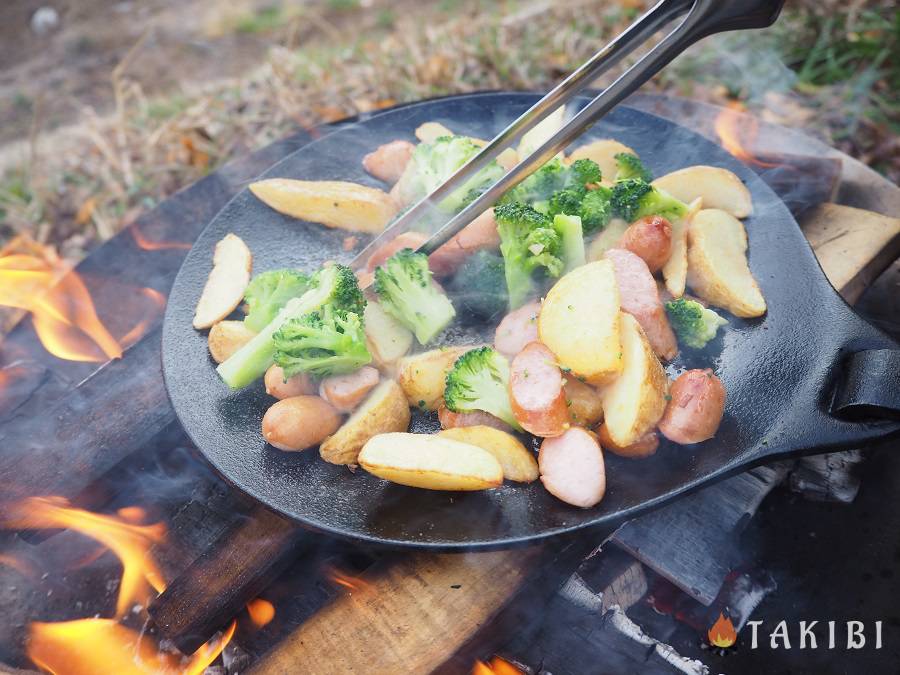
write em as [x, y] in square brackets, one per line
[569, 229]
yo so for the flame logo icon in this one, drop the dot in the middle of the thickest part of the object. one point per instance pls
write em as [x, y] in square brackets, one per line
[722, 633]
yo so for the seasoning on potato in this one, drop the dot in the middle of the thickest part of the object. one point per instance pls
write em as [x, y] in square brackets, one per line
[430, 462]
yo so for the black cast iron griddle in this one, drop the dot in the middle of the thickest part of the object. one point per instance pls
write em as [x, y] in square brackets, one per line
[779, 370]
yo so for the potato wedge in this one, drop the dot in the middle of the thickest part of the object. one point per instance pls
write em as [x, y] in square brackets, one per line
[429, 132]
[347, 206]
[430, 462]
[718, 271]
[635, 402]
[539, 134]
[387, 338]
[384, 410]
[579, 322]
[604, 153]
[225, 286]
[226, 337]
[517, 462]
[718, 188]
[422, 375]
[675, 270]
[606, 239]
[585, 402]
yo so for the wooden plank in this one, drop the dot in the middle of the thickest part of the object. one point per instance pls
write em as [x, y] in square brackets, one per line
[854, 246]
[414, 611]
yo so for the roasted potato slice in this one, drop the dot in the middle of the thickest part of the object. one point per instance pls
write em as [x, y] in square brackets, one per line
[579, 322]
[226, 337]
[430, 462]
[609, 237]
[585, 402]
[603, 152]
[388, 340]
[675, 270]
[718, 271]
[718, 188]
[539, 134]
[384, 410]
[225, 286]
[422, 375]
[635, 402]
[348, 206]
[517, 462]
[429, 132]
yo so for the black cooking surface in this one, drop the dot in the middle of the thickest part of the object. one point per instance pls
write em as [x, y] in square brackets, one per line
[775, 368]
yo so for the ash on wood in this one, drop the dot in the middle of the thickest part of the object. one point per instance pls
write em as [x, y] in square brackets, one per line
[242, 562]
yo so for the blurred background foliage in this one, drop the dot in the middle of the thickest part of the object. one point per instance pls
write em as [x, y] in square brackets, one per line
[108, 107]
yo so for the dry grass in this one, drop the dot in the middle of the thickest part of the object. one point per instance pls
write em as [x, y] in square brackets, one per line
[97, 176]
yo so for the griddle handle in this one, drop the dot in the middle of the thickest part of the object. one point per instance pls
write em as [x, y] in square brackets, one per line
[868, 387]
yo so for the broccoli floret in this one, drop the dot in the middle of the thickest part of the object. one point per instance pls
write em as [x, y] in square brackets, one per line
[433, 163]
[630, 166]
[407, 293]
[584, 171]
[268, 292]
[592, 206]
[479, 285]
[552, 177]
[635, 198]
[527, 242]
[334, 285]
[479, 380]
[695, 324]
[325, 342]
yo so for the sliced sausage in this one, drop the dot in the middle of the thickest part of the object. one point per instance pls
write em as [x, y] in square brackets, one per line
[296, 385]
[451, 420]
[517, 329]
[481, 233]
[695, 410]
[299, 422]
[585, 403]
[345, 392]
[639, 296]
[645, 446]
[650, 239]
[572, 468]
[388, 161]
[406, 240]
[536, 391]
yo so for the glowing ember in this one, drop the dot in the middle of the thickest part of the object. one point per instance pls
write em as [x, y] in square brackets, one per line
[89, 646]
[261, 612]
[130, 542]
[34, 279]
[729, 126]
[722, 633]
[146, 244]
[497, 666]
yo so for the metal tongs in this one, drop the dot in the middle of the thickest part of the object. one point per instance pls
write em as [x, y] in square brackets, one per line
[704, 18]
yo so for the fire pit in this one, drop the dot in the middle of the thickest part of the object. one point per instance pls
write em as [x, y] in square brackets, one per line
[123, 551]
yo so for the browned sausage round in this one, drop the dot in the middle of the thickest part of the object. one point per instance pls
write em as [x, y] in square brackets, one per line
[296, 385]
[650, 238]
[451, 420]
[572, 468]
[388, 161]
[299, 422]
[517, 329]
[695, 410]
[536, 391]
[645, 446]
[345, 392]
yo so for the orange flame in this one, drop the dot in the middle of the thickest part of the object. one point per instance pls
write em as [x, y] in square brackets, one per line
[23, 567]
[497, 666]
[146, 244]
[729, 126]
[351, 583]
[34, 279]
[722, 633]
[89, 646]
[261, 612]
[130, 542]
